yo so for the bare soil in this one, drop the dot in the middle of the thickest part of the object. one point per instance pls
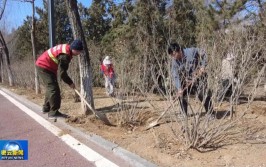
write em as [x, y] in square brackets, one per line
[159, 144]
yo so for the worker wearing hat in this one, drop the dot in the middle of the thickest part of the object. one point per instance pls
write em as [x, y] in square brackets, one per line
[109, 75]
[57, 57]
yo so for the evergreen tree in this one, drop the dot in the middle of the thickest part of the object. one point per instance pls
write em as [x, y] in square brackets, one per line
[96, 19]
[63, 30]
[182, 21]
[226, 10]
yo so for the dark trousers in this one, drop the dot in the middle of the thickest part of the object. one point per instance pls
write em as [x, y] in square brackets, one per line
[52, 100]
[225, 89]
[199, 88]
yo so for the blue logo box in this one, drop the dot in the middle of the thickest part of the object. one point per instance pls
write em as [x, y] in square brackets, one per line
[14, 149]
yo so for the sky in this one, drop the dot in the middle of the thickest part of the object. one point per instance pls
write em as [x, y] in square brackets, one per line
[16, 11]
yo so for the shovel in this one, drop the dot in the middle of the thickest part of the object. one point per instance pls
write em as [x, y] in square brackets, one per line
[98, 114]
[156, 122]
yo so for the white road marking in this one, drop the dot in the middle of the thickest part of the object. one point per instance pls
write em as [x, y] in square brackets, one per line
[82, 149]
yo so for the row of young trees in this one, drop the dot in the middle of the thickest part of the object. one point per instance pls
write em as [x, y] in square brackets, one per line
[107, 23]
[134, 30]
[135, 33]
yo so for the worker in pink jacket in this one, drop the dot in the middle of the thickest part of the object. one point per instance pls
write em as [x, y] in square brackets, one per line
[107, 70]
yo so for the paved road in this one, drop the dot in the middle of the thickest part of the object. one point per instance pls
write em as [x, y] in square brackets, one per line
[45, 149]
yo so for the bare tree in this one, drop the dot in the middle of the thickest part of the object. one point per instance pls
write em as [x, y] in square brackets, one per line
[37, 82]
[1, 68]
[5, 54]
[84, 59]
[33, 37]
[4, 50]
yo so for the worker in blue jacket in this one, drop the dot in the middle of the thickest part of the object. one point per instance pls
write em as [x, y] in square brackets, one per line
[188, 71]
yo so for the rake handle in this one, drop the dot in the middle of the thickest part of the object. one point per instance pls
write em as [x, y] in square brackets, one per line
[85, 101]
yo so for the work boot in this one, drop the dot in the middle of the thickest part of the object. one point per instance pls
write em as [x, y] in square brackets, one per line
[46, 108]
[57, 115]
[44, 111]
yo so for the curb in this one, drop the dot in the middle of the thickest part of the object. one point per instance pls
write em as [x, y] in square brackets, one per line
[132, 159]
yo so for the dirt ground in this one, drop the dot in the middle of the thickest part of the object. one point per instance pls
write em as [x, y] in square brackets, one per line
[162, 144]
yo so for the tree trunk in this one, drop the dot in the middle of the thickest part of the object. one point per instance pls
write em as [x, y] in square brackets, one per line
[84, 59]
[6, 59]
[37, 83]
[1, 53]
[1, 67]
